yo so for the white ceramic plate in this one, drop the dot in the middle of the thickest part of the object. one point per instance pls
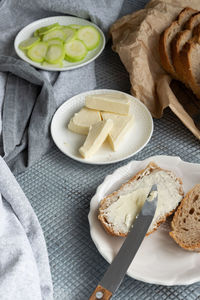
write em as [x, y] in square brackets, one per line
[28, 31]
[159, 259]
[69, 142]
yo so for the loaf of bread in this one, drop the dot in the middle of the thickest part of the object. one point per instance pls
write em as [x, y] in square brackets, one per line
[118, 210]
[180, 51]
[186, 221]
[167, 37]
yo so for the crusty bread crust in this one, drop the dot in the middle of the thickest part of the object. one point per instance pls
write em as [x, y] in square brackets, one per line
[177, 215]
[105, 203]
[167, 36]
[164, 57]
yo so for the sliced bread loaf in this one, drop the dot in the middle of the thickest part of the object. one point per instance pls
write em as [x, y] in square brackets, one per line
[186, 221]
[168, 35]
[118, 210]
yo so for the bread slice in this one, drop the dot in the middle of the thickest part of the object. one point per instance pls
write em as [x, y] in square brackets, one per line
[177, 44]
[168, 35]
[186, 221]
[190, 57]
[116, 214]
[193, 21]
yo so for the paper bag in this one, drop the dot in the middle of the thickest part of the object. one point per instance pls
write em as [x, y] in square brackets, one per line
[136, 39]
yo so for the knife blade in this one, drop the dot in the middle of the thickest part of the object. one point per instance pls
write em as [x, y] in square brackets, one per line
[118, 268]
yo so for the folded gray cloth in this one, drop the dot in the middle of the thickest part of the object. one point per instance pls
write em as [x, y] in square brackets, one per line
[32, 96]
[24, 266]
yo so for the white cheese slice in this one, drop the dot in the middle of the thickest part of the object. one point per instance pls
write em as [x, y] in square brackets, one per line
[97, 134]
[121, 125]
[112, 102]
[82, 120]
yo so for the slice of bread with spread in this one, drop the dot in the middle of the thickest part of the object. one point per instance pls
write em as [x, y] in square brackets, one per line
[118, 210]
[186, 221]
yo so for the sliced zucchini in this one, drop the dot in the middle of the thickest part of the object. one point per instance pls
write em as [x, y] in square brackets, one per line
[75, 51]
[36, 33]
[56, 33]
[47, 29]
[37, 52]
[28, 43]
[75, 26]
[70, 33]
[55, 41]
[55, 53]
[90, 36]
[58, 65]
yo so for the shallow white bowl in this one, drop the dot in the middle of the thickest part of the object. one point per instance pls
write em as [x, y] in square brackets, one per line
[69, 142]
[28, 31]
[159, 259]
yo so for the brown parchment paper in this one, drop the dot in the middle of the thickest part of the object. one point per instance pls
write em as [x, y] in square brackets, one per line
[135, 38]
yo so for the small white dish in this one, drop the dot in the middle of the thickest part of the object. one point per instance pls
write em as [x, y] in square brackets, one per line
[28, 31]
[159, 259]
[69, 142]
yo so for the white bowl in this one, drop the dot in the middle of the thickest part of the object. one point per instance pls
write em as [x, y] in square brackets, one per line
[28, 31]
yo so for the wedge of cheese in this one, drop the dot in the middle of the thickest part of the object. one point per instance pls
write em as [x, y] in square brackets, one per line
[121, 125]
[82, 120]
[97, 134]
[111, 102]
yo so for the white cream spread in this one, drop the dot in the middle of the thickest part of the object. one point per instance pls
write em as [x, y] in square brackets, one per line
[127, 202]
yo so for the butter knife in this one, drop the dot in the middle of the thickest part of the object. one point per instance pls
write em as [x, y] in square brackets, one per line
[118, 268]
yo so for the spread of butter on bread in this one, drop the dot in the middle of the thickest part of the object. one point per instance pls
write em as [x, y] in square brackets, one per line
[112, 102]
[118, 210]
[112, 107]
[82, 120]
[97, 134]
[121, 125]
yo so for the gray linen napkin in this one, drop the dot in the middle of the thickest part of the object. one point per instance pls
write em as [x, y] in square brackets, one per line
[24, 266]
[31, 96]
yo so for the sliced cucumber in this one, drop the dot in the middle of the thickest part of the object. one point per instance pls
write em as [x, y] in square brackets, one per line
[36, 33]
[56, 33]
[90, 36]
[47, 29]
[75, 51]
[70, 33]
[37, 52]
[55, 41]
[75, 26]
[59, 65]
[28, 43]
[55, 54]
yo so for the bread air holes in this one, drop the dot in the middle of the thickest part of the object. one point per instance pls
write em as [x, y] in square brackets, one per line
[185, 229]
[191, 211]
[195, 198]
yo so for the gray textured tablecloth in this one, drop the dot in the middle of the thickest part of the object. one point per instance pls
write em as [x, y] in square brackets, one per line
[60, 191]
[28, 98]
[24, 267]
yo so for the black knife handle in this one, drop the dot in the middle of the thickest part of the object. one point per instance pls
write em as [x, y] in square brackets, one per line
[100, 293]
